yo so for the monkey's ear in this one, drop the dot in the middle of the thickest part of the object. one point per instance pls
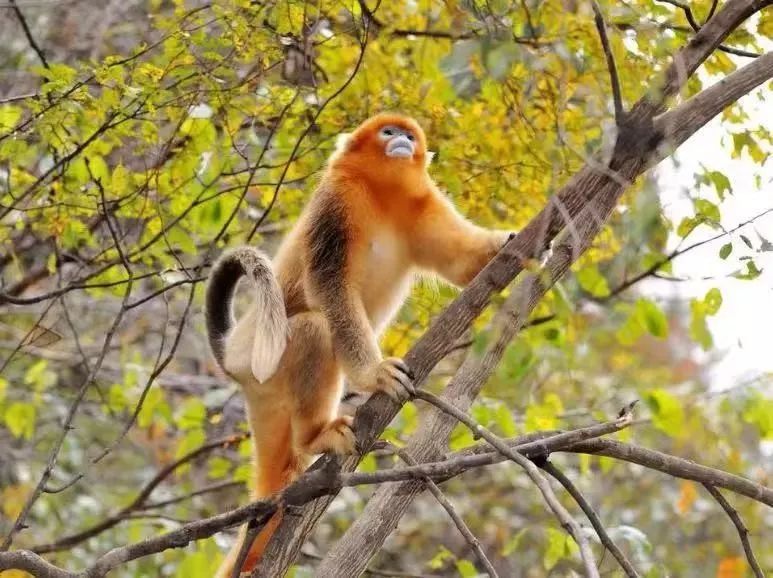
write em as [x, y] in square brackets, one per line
[342, 142]
[428, 157]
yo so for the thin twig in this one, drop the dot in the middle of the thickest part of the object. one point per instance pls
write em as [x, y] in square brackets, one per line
[464, 530]
[28, 34]
[20, 521]
[617, 98]
[743, 532]
[585, 506]
[696, 27]
[140, 500]
[18, 97]
[677, 252]
[564, 517]
[344, 85]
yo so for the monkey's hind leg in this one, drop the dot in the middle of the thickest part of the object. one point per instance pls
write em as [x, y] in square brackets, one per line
[316, 380]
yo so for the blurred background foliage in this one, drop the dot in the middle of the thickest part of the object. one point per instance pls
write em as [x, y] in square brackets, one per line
[187, 127]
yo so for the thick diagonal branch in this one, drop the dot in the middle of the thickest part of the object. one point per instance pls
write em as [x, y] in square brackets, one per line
[637, 145]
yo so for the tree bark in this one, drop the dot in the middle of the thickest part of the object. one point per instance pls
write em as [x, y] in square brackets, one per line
[639, 144]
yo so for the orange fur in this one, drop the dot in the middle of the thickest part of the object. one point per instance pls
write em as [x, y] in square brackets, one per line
[389, 219]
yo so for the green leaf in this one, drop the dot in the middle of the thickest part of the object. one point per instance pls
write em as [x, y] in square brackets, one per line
[725, 251]
[39, 376]
[721, 183]
[687, 225]
[20, 419]
[713, 301]
[466, 569]
[544, 416]
[751, 272]
[504, 419]
[512, 544]
[192, 440]
[559, 546]
[746, 240]
[668, 415]
[707, 210]
[461, 437]
[758, 412]
[368, 464]
[192, 414]
[98, 170]
[592, 281]
[9, 117]
[439, 560]
[153, 404]
[653, 318]
[116, 397]
[219, 467]
[631, 330]
[652, 259]
[698, 329]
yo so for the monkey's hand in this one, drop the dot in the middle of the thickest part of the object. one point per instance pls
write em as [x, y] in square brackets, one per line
[392, 376]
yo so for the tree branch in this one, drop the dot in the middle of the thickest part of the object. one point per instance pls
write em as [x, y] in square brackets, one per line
[28, 33]
[385, 508]
[564, 517]
[743, 532]
[601, 27]
[696, 27]
[32, 563]
[464, 530]
[682, 122]
[593, 517]
[139, 500]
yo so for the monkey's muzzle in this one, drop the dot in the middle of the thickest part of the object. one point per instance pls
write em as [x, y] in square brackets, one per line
[400, 147]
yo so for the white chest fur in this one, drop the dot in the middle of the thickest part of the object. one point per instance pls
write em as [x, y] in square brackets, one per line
[386, 277]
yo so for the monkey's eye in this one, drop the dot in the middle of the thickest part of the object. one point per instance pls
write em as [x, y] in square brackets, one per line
[388, 132]
[410, 136]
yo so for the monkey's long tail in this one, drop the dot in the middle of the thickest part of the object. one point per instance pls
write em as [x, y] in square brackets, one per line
[272, 480]
[270, 323]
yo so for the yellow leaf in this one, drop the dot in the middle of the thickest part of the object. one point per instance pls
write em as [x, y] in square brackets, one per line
[12, 499]
[731, 567]
[687, 496]
[15, 574]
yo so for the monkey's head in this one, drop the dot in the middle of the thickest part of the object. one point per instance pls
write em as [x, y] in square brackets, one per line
[392, 138]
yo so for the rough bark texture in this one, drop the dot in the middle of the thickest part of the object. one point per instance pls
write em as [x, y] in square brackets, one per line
[637, 145]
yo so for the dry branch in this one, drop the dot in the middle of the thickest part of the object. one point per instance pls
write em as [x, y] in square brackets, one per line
[743, 532]
[636, 147]
[593, 517]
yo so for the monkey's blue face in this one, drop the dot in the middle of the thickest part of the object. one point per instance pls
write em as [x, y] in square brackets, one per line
[398, 142]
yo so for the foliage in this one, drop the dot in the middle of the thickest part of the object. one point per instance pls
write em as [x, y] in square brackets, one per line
[136, 163]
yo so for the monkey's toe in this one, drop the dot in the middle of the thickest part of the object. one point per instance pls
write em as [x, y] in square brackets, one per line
[336, 437]
[395, 379]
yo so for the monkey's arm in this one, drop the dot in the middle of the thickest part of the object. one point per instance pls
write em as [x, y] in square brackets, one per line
[332, 255]
[447, 243]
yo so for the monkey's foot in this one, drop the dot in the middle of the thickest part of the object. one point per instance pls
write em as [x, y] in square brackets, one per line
[337, 437]
[394, 378]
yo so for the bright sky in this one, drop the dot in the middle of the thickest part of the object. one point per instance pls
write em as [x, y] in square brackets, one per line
[742, 328]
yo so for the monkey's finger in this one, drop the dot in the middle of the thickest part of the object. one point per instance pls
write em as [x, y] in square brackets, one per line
[390, 387]
[351, 439]
[402, 378]
[402, 366]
